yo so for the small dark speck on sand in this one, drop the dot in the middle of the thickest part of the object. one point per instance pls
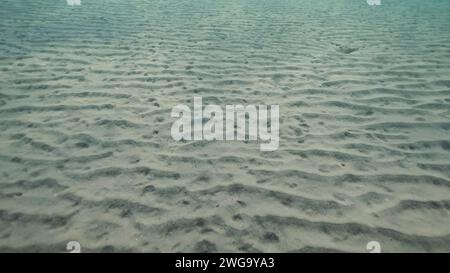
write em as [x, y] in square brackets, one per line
[82, 145]
[271, 237]
[149, 188]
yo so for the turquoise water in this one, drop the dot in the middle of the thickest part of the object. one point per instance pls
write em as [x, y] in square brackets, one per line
[223, 24]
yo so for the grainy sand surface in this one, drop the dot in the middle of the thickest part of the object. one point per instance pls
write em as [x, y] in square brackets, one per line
[86, 152]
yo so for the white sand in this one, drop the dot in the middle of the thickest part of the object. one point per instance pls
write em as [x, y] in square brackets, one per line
[85, 146]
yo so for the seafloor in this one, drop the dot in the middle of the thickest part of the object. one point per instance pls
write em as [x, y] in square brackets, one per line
[85, 147]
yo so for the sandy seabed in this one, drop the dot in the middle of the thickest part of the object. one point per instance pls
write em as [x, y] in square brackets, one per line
[85, 147]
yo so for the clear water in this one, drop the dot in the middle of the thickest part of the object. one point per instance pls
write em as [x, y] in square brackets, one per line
[86, 153]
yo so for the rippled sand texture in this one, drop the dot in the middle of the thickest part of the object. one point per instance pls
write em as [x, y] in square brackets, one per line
[85, 147]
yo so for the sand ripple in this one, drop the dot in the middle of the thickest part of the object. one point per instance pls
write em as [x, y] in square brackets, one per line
[85, 146]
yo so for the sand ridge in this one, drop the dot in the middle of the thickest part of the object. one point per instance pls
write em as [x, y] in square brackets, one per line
[85, 147]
